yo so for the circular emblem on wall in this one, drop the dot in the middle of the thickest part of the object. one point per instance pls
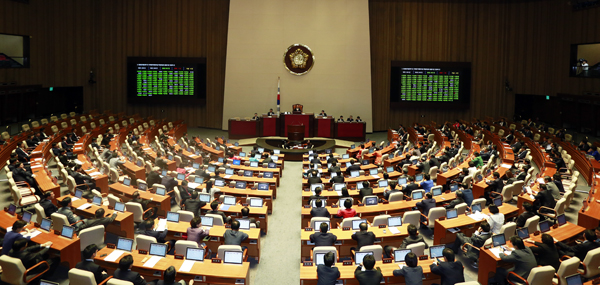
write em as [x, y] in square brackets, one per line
[298, 59]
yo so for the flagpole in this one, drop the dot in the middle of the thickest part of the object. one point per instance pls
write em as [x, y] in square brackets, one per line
[278, 96]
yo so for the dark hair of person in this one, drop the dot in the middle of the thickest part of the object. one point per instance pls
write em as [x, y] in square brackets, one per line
[412, 230]
[518, 242]
[589, 235]
[369, 262]
[448, 254]
[214, 205]
[319, 203]
[245, 211]
[19, 244]
[494, 209]
[235, 225]
[324, 227]
[169, 275]
[126, 262]
[18, 224]
[195, 222]
[89, 251]
[318, 191]
[348, 203]
[485, 226]
[345, 192]
[363, 226]
[329, 259]
[411, 259]
[99, 213]
[528, 207]
[65, 202]
[548, 240]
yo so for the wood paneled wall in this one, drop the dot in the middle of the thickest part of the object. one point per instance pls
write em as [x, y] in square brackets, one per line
[524, 42]
[72, 37]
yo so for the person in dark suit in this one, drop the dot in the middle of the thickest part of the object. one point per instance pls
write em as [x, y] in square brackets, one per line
[169, 277]
[319, 211]
[32, 255]
[193, 204]
[338, 178]
[159, 235]
[124, 271]
[353, 167]
[82, 178]
[365, 191]
[99, 219]
[363, 237]
[424, 165]
[369, 276]
[433, 161]
[214, 206]
[65, 209]
[522, 257]
[529, 213]
[496, 185]
[20, 174]
[153, 177]
[331, 159]
[270, 113]
[410, 186]
[327, 274]
[21, 153]
[478, 239]
[579, 250]
[412, 272]
[323, 238]
[334, 167]
[88, 264]
[313, 179]
[546, 252]
[558, 182]
[46, 203]
[544, 198]
[413, 237]
[246, 215]
[184, 191]
[392, 189]
[315, 160]
[459, 199]
[317, 196]
[451, 271]
[426, 204]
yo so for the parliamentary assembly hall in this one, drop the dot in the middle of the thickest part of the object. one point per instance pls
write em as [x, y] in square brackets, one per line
[422, 141]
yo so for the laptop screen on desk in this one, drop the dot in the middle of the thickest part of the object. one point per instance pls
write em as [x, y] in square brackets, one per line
[256, 202]
[127, 181]
[562, 219]
[272, 165]
[400, 254]
[142, 186]
[211, 168]
[160, 191]
[417, 195]
[338, 186]
[394, 221]
[370, 201]
[373, 171]
[46, 224]
[219, 182]
[319, 259]
[207, 221]
[180, 176]
[498, 240]
[97, 200]
[345, 156]
[67, 232]
[220, 160]
[359, 256]
[204, 197]
[173, 217]
[253, 163]
[196, 165]
[476, 208]
[119, 207]
[574, 279]
[196, 254]
[164, 173]
[229, 200]
[419, 177]
[78, 193]
[359, 185]
[125, 244]
[237, 162]
[242, 154]
[263, 186]
[276, 151]
[244, 224]
[26, 216]
[437, 191]
[389, 169]
[498, 201]
[229, 171]
[314, 186]
[158, 249]
[356, 224]
[545, 226]
[523, 233]
[451, 214]
[383, 183]
[354, 173]
[436, 251]
[268, 174]
[240, 184]
[453, 187]
[233, 257]
[402, 181]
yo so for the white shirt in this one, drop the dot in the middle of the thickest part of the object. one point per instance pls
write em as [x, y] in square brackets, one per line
[584, 66]
[472, 170]
[496, 222]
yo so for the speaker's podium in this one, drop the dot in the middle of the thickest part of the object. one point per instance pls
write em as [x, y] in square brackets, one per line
[297, 118]
[295, 133]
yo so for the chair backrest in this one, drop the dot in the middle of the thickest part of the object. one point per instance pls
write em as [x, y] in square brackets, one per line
[508, 230]
[567, 267]
[222, 248]
[35, 124]
[185, 216]
[12, 270]
[93, 235]
[80, 276]
[411, 217]
[532, 224]
[113, 175]
[177, 195]
[315, 222]
[560, 206]
[144, 241]
[467, 181]
[376, 249]
[417, 248]
[480, 201]
[182, 245]
[541, 275]
[507, 193]
[347, 222]
[217, 219]
[137, 211]
[592, 263]
[39, 213]
[461, 208]
[58, 221]
[380, 220]
[368, 196]
[517, 187]
[112, 199]
[569, 197]
[323, 249]
[92, 125]
[398, 196]
[433, 172]
[434, 214]
[115, 281]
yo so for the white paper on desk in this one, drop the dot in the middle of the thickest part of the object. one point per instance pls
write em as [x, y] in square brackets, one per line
[37, 166]
[375, 176]
[84, 206]
[152, 261]
[224, 207]
[95, 173]
[193, 185]
[339, 192]
[496, 251]
[78, 161]
[162, 225]
[531, 196]
[37, 159]
[186, 266]
[505, 165]
[478, 216]
[226, 177]
[74, 199]
[33, 234]
[113, 256]
[394, 230]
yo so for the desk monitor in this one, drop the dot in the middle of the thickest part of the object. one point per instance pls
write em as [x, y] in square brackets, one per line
[454, 164]
[400, 254]
[220, 160]
[236, 144]
[358, 256]
[276, 151]
[244, 224]
[164, 173]
[207, 221]
[240, 184]
[256, 202]
[180, 176]
[373, 171]
[242, 154]
[451, 214]
[119, 207]
[414, 161]
[498, 201]
[445, 169]
[78, 193]
[365, 162]
[479, 177]
[356, 224]
[195, 254]
[355, 173]
[382, 183]
[319, 259]
[545, 226]
[498, 240]
[140, 163]
[170, 157]
[390, 156]
[562, 219]
[199, 179]
[233, 257]
[389, 169]
[125, 244]
[211, 168]
[418, 177]
[142, 186]
[345, 156]
[263, 186]
[272, 165]
[218, 148]
[161, 191]
[453, 187]
[402, 181]
[417, 195]
[314, 186]
[257, 156]
[523, 233]
[359, 186]
[328, 151]
[348, 164]
[197, 152]
[333, 174]
[338, 186]
[229, 171]
[173, 217]
[46, 224]
[127, 181]
[237, 162]
[352, 146]
[27, 216]
[204, 197]
[219, 182]
[436, 251]
[371, 201]
[229, 200]
[253, 163]
[371, 150]
[274, 158]
[436, 191]
[574, 279]
[268, 174]
[158, 249]
[488, 172]
[97, 200]
[46, 282]
[196, 165]
[394, 221]
[475, 207]
[67, 232]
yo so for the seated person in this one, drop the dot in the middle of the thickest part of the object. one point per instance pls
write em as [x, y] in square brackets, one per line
[214, 206]
[369, 276]
[65, 209]
[341, 119]
[319, 210]
[245, 215]
[496, 219]
[88, 264]
[317, 195]
[32, 255]
[348, 212]
[459, 200]
[392, 189]
[323, 238]
[169, 277]
[196, 232]
[579, 250]
[451, 271]
[15, 234]
[546, 253]
[99, 219]
[193, 204]
[410, 186]
[477, 240]
[365, 191]
[338, 178]
[124, 271]
[413, 237]
[363, 237]
[523, 259]
[328, 274]
[427, 183]
[529, 213]
[412, 272]
[233, 236]
[46, 203]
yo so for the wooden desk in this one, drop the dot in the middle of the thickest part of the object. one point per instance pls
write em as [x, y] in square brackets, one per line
[122, 226]
[126, 193]
[353, 180]
[69, 249]
[170, 163]
[43, 177]
[267, 196]
[241, 129]
[260, 214]
[466, 224]
[100, 179]
[589, 214]
[213, 273]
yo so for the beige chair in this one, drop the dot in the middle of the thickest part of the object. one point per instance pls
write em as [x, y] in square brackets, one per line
[73, 122]
[115, 281]
[376, 249]
[591, 264]
[532, 224]
[324, 249]
[137, 211]
[5, 136]
[412, 217]
[380, 220]
[461, 208]
[217, 219]
[14, 273]
[433, 172]
[567, 268]
[435, 214]
[40, 214]
[112, 200]
[559, 209]
[84, 277]
[25, 127]
[223, 248]
[35, 124]
[399, 196]
[94, 235]
[315, 222]
[182, 245]
[508, 230]
[417, 248]
[144, 241]
[537, 276]
[58, 221]
[44, 121]
[64, 125]
[347, 222]
[185, 216]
